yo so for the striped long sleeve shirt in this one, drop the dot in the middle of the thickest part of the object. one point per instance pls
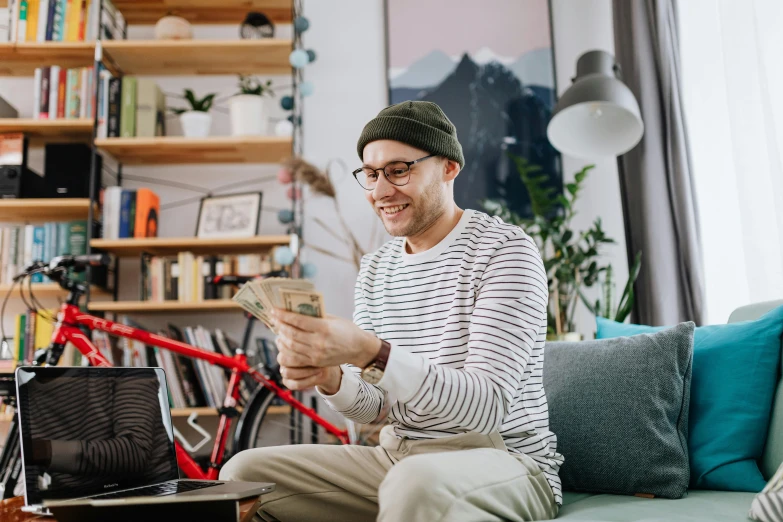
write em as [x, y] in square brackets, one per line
[467, 321]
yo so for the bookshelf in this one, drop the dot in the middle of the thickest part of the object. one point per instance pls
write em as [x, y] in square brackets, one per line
[21, 59]
[41, 290]
[43, 131]
[156, 307]
[167, 246]
[6, 371]
[194, 57]
[51, 209]
[178, 150]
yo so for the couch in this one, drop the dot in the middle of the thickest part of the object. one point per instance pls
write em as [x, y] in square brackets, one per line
[713, 506]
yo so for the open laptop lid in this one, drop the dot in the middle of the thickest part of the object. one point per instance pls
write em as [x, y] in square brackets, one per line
[86, 431]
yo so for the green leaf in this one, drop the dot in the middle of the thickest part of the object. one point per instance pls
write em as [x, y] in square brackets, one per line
[573, 188]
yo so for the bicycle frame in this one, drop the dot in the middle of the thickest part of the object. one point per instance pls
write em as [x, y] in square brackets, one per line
[66, 329]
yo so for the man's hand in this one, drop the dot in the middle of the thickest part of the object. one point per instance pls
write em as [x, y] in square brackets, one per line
[315, 342]
[327, 379]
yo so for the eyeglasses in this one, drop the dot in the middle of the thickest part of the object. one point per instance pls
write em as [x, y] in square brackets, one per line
[397, 172]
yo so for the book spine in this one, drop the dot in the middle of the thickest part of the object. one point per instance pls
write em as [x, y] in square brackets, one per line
[29, 335]
[103, 103]
[50, 240]
[51, 10]
[115, 100]
[13, 19]
[21, 25]
[58, 27]
[125, 214]
[54, 91]
[132, 215]
[83, 91]
[37, 92]
[128, 111]
[13, 255]
[62, 89]
[32, 20]
[46, 76]
[78, 243]
[38, 253]
[43, 14]
[82, 20]
[63, 238]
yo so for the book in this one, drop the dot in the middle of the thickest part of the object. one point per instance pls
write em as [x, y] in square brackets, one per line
[73, 88]
[147, 212]
[43, 18]
[114, 112]
[58, 26]
[21, 25]
[38, 253]
[29, 335]
[13, 19]
[46, 76]
[73, 11]
[111, 212]
[19, 331]
[62, 86]
[44, 328]
[51, 8]
[37, 92]
[102, 108]
[146, 107]
[54, 91]
[78, 243]
[128, 109]
[82, 21]
[32, 20]
[126, 217]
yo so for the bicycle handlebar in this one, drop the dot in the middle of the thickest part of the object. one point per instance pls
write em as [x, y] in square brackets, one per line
[79, 263]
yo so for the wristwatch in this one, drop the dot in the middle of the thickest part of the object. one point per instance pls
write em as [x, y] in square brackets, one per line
[373, 372]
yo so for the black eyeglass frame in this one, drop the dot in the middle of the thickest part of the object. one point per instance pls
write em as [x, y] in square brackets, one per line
[409, 164]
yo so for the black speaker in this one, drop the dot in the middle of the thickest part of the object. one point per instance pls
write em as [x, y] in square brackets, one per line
[17, 181]
[67, 170]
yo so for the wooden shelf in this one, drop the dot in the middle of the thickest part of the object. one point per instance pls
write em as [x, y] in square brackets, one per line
[171, 150]
[148, 12]
[162, 246]
[192, 57]
[7, 371]
[209, 412]
[49, 209]
[21, 59]
[154, 307]
[43, 131]
[43, 290]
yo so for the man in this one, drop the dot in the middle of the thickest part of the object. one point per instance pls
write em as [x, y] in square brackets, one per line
[450, 321]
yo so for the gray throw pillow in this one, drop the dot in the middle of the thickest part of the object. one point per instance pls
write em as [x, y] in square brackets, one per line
[619, 408]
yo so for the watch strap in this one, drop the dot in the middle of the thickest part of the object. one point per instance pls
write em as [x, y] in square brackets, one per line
[382, 358]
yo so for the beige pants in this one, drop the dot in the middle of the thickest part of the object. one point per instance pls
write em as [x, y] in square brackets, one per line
[469, 477]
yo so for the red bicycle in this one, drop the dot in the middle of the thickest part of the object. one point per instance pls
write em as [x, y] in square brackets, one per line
[69, 327]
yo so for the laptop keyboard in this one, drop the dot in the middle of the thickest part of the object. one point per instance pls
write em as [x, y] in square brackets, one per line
[159, 490]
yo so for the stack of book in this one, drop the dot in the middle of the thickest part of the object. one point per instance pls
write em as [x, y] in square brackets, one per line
[130, 107]
[63, 21]
[32, 331]
[130, 213]
[20, 245]
[182, 278]
[61, 93]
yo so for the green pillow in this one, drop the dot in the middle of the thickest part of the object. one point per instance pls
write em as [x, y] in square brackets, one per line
[734, 377]
[619, 409]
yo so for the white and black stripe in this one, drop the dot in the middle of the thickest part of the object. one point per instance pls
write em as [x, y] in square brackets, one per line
[767, 506]
[469, 317]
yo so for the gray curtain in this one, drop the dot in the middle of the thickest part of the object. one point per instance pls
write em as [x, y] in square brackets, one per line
[656, 180]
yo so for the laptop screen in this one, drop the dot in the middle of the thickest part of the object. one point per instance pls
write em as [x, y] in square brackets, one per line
[86, 431]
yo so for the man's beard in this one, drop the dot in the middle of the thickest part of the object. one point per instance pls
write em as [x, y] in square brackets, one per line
[425, 211]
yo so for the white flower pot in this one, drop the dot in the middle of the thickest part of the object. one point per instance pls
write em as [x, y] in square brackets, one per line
[173, 28]
[195, 124]
[247, 115]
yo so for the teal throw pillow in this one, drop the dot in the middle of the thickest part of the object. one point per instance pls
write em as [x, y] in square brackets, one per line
[735, 371]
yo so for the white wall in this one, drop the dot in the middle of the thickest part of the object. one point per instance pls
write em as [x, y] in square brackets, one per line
[579, 27]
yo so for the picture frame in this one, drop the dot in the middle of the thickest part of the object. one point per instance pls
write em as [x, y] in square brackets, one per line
[229, 216]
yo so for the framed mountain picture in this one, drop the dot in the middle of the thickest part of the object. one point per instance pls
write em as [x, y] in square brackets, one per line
[489, 65]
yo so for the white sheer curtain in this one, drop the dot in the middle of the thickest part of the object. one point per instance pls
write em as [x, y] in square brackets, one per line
[732, 70]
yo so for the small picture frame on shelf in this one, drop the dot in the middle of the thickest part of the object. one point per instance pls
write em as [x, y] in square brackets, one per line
[229, 216]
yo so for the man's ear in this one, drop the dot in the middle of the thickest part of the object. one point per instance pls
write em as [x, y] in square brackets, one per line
[450, 170]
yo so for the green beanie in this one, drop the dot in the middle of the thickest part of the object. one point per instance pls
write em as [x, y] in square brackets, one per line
[421, 124]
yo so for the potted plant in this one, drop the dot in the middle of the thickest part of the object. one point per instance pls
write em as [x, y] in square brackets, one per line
[571, 259]
[196, 120]
[247, 107]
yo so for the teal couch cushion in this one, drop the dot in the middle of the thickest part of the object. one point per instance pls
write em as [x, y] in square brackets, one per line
[735, 373]
[712, 506]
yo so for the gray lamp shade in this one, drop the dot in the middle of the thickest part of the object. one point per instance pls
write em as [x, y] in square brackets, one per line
[597, 116]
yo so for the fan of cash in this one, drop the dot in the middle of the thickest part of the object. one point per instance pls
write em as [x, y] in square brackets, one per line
[295, 295]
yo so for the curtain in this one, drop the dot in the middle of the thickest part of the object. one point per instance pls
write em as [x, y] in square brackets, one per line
[733, 94]
[656, 182]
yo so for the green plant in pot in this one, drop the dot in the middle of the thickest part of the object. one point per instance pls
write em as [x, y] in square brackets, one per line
[196, 120]
[572, 260]
[247, 107]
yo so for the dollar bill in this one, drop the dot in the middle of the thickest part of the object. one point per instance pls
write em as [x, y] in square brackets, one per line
[249, 301]
[309, 303]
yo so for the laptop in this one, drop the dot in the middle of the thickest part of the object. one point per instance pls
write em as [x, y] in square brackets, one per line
[104, 437]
